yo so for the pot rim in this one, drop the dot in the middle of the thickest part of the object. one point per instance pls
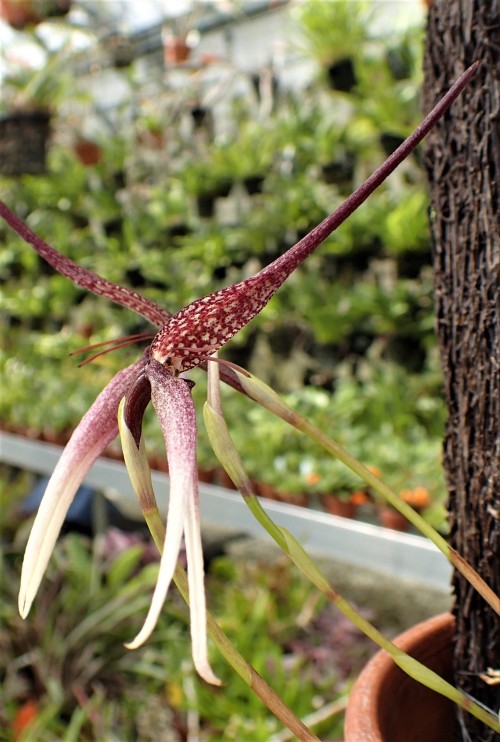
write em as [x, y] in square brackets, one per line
[362, 715]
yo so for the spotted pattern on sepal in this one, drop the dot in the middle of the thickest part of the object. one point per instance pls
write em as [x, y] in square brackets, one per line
[206, 324]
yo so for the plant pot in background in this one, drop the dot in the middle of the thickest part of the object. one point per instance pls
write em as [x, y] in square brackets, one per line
[175, 49]
[202, 117]
[390, 518]
[390, 142]
[19, 14]
[336, 506]
[223, 188]
[22, 13]
[151, 138]
[121, 50]
[89, 153]
[341, 75]
[340, 172]
[23, 142]
[386, 705]
[205, 204]
[254, 184]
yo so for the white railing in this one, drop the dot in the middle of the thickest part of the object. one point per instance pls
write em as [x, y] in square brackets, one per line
[403, 556]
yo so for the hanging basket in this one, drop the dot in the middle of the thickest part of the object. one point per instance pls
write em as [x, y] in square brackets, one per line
[23, 142]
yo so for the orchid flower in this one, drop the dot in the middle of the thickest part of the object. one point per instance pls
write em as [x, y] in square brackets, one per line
[184, 341]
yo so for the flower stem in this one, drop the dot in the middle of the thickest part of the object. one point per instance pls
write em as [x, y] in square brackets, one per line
[266, 397]
[229, 458]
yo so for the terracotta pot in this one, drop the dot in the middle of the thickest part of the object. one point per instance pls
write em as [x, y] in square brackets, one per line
[89, 153]
[335, 506]
[222, 478]
[390, 518]
[22, 13]
[175, 50]
[386, 705]
[206, 475]
[266, 490]
[19, 14]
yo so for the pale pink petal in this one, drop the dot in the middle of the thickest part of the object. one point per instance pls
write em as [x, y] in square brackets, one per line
[174, 406]
[97, 428]
[173, 403]
[83, 277]
[197, 602]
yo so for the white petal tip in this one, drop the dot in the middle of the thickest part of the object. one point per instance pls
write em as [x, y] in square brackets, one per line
[134, 644]
[208, 676]
[24, 606]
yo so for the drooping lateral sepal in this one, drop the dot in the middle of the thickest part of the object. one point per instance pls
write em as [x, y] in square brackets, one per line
[95, 431]
[174, 407]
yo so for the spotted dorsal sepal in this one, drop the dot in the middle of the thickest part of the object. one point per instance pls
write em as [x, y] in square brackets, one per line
[207, 324]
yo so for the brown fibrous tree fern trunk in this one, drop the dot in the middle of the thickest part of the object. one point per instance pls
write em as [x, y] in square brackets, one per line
[463, 163]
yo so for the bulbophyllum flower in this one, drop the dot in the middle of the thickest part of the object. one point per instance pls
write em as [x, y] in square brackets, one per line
[185, 340]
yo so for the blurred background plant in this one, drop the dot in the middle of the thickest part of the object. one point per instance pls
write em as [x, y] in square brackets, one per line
[355, 322]
[65, 674]
[348, 340]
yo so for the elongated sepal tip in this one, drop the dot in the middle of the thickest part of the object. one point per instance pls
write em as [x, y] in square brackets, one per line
[205, 671]
[135, 643]
[24, 606]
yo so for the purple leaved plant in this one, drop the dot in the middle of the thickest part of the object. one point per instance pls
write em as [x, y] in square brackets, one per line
[186, 339]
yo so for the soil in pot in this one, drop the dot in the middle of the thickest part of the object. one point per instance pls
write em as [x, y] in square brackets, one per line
[386, 705]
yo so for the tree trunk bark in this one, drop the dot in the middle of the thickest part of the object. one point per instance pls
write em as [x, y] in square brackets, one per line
[463, 163]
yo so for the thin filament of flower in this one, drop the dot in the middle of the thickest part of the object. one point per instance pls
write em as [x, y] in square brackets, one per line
[116, 344]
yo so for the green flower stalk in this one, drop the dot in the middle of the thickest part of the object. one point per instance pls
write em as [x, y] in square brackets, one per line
[230, 460]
